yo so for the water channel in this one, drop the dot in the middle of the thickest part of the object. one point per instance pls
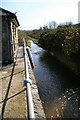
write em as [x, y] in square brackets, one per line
[58, 86]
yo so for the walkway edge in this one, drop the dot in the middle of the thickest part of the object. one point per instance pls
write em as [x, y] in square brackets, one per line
[38, 108]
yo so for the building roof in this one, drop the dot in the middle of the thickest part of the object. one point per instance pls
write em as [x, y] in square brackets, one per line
[9, 14]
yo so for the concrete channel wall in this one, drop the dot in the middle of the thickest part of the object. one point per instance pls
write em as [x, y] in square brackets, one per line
[38, 108]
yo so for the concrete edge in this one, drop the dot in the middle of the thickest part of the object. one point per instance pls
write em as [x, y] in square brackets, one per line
[38, 108]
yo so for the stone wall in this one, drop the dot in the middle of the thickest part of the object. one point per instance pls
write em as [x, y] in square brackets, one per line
[0, 41]
[9, 40]
[14, 32]
[5, 48]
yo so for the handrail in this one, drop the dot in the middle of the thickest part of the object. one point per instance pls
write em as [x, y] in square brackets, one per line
[27, 83]
[30, 57]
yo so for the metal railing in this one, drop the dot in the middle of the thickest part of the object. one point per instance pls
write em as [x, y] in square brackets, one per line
[27, 83]
[30, 57]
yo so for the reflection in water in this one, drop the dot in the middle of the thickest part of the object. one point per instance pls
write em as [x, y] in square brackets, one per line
[65, 106]
[58, 87]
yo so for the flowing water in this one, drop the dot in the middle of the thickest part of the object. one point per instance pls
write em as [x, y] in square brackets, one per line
[58, 86]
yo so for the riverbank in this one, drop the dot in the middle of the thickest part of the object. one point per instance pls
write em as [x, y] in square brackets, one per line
[72, 66]
[58, 86]
[64, 42]
[12, 90]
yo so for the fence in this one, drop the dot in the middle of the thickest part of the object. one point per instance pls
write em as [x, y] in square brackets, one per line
[27, 83]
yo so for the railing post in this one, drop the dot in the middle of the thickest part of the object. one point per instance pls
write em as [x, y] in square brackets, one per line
[27, 83]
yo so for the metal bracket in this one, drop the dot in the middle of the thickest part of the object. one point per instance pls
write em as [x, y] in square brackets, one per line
[27, 81]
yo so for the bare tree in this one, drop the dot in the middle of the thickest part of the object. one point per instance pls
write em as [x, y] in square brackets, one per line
[52, 25]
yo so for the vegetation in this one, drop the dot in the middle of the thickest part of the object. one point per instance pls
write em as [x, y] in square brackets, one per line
[23, 34]
[63, 42]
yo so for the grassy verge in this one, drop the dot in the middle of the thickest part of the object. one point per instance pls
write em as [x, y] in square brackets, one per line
[36, 41]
